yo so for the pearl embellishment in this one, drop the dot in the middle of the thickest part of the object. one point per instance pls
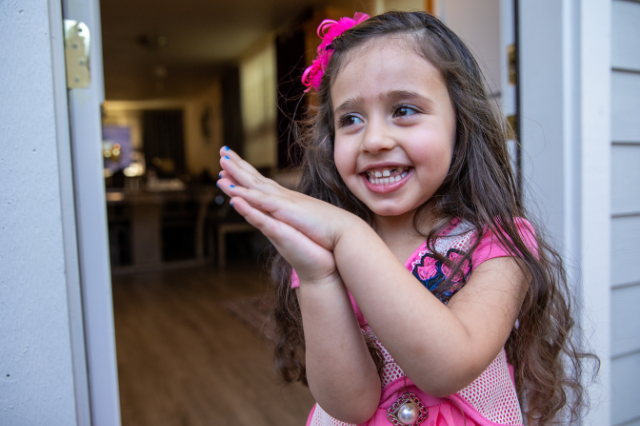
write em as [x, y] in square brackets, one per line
[408, 410]
[407, 414]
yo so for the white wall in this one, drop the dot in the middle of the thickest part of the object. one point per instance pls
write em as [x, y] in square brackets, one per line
[36, 376]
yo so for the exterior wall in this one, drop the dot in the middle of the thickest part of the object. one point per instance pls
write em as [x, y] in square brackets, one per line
[625, 213]
[36, 372]
[565, 136]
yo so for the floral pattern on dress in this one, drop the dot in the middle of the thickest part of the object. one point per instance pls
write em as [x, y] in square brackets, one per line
[432, 273]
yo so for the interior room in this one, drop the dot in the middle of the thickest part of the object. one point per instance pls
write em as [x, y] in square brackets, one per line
[190, 279]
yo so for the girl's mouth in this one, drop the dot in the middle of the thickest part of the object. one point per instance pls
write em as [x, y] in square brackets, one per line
[386, 175]
[386, 179]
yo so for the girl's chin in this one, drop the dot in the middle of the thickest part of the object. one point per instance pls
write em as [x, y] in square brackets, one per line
[391, 212]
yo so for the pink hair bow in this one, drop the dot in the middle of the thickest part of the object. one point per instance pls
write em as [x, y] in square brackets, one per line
[328, 31]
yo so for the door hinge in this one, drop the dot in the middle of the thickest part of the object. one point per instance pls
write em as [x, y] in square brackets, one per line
[76, 52]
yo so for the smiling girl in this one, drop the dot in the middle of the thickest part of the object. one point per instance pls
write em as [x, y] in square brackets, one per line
[412, 289]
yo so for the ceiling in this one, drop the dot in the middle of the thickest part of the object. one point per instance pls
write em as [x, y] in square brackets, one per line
[173, 48]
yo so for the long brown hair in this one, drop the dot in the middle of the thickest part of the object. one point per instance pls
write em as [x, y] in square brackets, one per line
[480, 188]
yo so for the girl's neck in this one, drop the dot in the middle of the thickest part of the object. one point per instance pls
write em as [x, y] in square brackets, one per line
[400, 234]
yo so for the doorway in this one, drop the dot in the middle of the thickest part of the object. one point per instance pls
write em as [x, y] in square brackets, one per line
[189, 281]
[190, 290]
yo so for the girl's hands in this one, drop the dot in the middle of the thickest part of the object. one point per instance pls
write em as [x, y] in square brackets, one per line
[303, 230]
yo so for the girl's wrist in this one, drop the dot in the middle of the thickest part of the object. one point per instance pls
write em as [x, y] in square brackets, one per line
[328, 280]
[348, 224]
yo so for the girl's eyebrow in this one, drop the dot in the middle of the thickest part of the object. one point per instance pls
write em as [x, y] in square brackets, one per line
[405, 95]
[393, 95]
[347, 105]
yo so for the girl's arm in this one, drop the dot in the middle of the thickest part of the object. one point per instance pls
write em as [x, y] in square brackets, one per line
[341, 373]
[441, 348]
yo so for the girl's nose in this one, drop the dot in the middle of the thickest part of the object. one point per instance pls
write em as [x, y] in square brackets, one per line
[377, 138]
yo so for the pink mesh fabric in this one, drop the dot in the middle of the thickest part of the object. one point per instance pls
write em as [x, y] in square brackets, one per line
[458, 238]
[493, 394]
[390, 371]
[321, 418]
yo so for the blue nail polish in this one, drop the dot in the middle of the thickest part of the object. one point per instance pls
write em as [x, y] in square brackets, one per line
[220, 175]
[218, 184]
[232, 186]
[225, 157]
[230, 203]
[226, 148]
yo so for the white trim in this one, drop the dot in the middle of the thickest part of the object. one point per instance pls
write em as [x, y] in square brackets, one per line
[91, 224]
[595, 113]
[74, 294]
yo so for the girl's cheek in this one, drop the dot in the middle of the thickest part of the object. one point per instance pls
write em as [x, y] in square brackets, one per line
[343, 162]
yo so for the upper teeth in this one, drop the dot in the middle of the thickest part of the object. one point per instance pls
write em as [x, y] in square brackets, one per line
[383, 176]
[386, 172]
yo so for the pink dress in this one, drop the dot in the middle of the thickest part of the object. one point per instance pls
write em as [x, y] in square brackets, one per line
[489, 400]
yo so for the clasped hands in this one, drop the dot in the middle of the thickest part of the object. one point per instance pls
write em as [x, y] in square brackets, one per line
[304, 230]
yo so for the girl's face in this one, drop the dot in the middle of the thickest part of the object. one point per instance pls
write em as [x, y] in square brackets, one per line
[395, 126]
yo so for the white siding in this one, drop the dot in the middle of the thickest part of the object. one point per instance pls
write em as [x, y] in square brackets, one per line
[625, 327]
[625, 208]
[625, 34]
[625, 179]
[625, 250]
[625, 394]
[625, 105]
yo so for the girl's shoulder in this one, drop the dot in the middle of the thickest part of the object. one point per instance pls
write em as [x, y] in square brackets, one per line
[454, 244]
[460, 235]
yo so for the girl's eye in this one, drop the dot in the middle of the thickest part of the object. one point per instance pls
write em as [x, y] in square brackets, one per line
[403, 111]
[349, 120]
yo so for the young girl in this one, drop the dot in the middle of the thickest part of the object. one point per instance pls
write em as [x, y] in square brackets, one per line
[412, 290]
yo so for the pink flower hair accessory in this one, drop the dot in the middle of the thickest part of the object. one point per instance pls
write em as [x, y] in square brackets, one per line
[328, 31]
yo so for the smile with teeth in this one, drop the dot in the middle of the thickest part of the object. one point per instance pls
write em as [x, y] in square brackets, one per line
[387, 175]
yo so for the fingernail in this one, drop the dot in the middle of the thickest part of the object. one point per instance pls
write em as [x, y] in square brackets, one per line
[220, 175]
[218, 184]
[225, 157]
[232, 186]
[226, 148]
[230, 203]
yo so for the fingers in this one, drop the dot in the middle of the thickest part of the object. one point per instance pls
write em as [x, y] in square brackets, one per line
[225, 175]
[226, 151]
[244, 174]
[296, 212]
[296, 247]
[257, 199]
[234, 158]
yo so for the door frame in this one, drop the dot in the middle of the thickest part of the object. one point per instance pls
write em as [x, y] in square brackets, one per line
[84, 217]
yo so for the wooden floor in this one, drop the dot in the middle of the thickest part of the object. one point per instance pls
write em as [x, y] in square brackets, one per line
[184, 361]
